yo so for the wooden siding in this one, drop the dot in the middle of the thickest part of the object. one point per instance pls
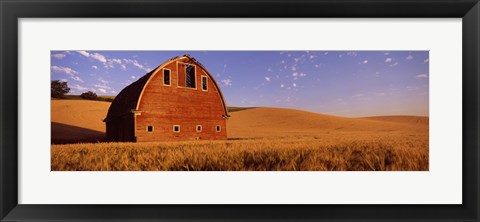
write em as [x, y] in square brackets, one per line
[180, 74]
[164, 106]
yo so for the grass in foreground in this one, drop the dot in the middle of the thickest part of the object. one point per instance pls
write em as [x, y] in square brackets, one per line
[395, 153]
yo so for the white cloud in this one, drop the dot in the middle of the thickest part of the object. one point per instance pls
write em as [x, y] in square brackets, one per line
[294, 68]
[426, 60]
[421, 76]
[59, 55]
[394, 64]
[294, 85]
[104, 82]
[297, 74]
[78, 87]
[387, 53]
[409, 57]
[84, 53]
[281, 85]
[94, 67]
[102, 86]
[227, 82]
[72, 73]
[118, 61]
[140, 66]
[76, 78]
[365, 61]
[267, 78]
[111, 63]
[133, 77]
[98, 57]
[353, 54]
[63, 69]
[388, 59]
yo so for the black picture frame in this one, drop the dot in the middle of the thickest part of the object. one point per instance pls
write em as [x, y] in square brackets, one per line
[11, 11]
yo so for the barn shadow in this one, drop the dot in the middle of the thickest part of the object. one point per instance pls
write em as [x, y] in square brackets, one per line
[66, 134]
[232, 109]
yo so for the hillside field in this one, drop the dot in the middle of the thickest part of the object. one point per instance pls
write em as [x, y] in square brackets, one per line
[259, 139]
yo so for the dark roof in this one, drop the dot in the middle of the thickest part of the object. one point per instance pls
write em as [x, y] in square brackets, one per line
[127, 99]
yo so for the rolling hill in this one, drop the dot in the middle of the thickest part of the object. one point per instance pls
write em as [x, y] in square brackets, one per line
[78, 120]
[81, 121]
[261, 122]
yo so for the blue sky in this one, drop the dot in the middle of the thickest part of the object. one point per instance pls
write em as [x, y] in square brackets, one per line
[340, 83]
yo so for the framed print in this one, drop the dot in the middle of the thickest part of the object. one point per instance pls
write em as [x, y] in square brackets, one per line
[224, 110]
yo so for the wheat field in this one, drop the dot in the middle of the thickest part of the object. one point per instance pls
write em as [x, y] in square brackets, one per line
[260, 139]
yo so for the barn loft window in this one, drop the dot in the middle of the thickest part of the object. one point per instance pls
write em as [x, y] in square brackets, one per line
[190, 76]
[199, 128]
[219, 128]
[166, 77]
[186, 75]
[204, 83]
[150, 129]
[176, 128]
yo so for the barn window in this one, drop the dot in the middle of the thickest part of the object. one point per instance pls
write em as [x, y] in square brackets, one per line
[190, 76]
[199, 128]
[176, 128]
[150, 129]
[166, 77]
[204, 83]
[219, 128]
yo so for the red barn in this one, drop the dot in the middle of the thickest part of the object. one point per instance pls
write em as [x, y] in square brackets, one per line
[178, 100]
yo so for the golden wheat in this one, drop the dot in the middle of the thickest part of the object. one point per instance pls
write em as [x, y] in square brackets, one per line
[369, 152]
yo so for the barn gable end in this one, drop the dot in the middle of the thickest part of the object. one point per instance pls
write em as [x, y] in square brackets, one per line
[153, 107]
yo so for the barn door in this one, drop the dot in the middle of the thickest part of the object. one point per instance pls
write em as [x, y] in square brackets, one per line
[181, 74]
[186, 75]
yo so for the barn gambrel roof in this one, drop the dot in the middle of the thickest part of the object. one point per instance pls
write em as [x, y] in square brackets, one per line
[127, 100]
